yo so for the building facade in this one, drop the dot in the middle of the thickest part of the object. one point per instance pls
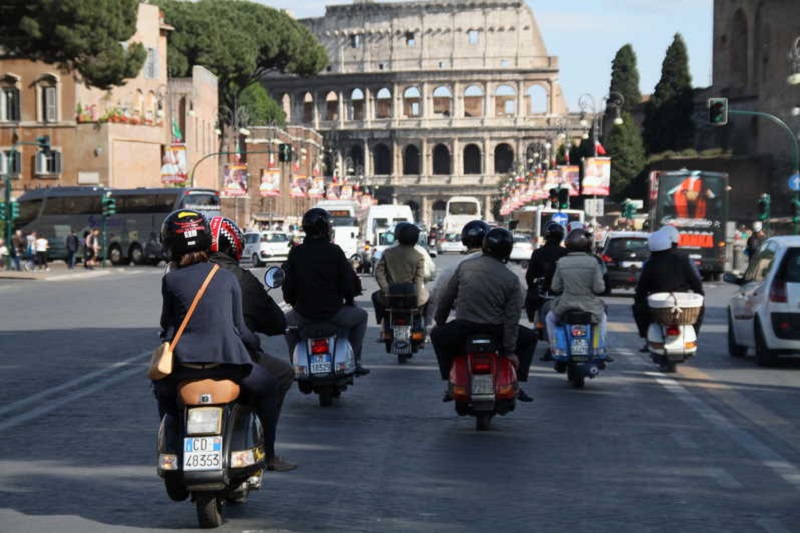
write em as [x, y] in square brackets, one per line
[424, 100]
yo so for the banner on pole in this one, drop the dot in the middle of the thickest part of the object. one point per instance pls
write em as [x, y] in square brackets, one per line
[597, 176]
[299, 186]
[235, 182]
[270, 183]
[173, 169]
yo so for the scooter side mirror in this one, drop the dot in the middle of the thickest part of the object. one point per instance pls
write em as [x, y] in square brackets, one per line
[730, 277]
[274, 277]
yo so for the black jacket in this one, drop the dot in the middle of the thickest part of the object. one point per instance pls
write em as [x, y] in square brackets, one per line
[261, 313]
[319, 280]
[668, 271]
[72, 243]
[543, 264]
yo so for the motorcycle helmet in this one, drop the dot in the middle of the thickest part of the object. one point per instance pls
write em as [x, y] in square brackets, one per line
[473, 233]
[659, 241]
[406, 233]
[554, 232]
[578, 240]
[672, 233]
[184, 231]
[317, 224]
[498, 244]
[575, 224]
[226, 237]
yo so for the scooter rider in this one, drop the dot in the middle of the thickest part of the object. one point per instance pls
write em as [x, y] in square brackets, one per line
[488, 299]
[578, 280]
[667, 270]
[321, 284]
[400, 264]
[261, 314]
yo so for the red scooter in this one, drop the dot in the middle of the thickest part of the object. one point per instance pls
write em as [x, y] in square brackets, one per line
[483, 384]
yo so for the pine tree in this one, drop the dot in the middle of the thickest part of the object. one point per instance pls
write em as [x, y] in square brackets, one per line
[626, 150]
[668, 123]
[261, 109]
[625, 78]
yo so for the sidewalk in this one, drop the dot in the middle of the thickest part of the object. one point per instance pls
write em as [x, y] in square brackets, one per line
[59, 271]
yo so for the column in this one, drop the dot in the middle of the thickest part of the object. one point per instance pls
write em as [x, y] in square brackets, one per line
[423, 157]
[315, 110]
[369, 107]
[487, 208]
[397, 159]
[425, 213]
[486, 101]
[457, 166]
[488, 158]
[426, 109]
[458, 100]
[520, 100]
[367, 159]
[341, 108]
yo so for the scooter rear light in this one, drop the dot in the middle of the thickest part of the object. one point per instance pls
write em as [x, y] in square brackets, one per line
[607, 258]
[690, 345]
[458, 391]
[319, 346]
[656, 345]
[400, 321]
[777, 292]
[241, 459]
[481, 366]
[418, 336]
[167, 461]
[673, 331]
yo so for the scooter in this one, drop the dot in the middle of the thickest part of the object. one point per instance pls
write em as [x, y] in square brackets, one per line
[483, 384]
[324, 362]
[671, 337]
[403, 329]
[578, 349]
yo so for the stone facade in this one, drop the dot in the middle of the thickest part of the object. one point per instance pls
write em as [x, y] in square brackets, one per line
[430, 99]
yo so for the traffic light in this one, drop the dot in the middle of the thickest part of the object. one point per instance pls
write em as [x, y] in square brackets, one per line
[718, 111]
[553, 198]
[44, 143]
[795, 209]
[109, 205]
[285, 153]
[563, 198]
[14, 210]
[764, 207]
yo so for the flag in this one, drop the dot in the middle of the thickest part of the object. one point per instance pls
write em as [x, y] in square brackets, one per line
[599, 148]
[177, 136]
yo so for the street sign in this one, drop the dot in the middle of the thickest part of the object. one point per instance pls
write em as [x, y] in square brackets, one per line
[560, 218]
[794, 182]
[594, 207]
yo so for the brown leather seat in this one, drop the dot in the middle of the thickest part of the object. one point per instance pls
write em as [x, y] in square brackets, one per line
[208, 391]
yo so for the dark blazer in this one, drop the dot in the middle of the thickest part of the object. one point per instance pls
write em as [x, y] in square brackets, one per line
[216, 332]
[667, 271]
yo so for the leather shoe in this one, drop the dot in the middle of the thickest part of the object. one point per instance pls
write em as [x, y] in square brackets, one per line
[361, 371]
[279, 464]
[447, 397]
[644, 349]
[523, 396]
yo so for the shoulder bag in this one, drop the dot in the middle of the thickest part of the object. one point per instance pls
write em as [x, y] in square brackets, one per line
[162, 358]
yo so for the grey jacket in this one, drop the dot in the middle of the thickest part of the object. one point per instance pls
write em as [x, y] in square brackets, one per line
[579, 280]
[402, 264]
[484, 291]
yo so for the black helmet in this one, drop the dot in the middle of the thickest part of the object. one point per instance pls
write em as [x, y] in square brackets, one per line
[184, 231]
[317, 224]
[498, 244]
[578, 241]
[406, 233]
[554, 232]
[473, 233]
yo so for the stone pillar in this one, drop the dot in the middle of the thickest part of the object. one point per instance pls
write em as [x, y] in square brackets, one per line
[458, 100]
[397, 159]
[487, 208]
[457, 166]
[315, 110]
[423, 157]
[425, 212]
[488, 158]
[369, 107]
[487, 101]
[521, 112]
[426, 111]
[341, 108]
[367, 159]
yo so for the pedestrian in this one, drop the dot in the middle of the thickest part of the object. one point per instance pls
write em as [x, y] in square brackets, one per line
[88, 250]
[755, 240]
[4, 254]
[97, 246]
[30, 252]
[41, 245]
[72, 248]
[17, 249]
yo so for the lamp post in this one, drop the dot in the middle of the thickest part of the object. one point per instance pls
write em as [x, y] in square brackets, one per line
[587, 104]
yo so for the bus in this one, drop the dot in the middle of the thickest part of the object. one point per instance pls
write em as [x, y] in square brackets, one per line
[533, 220]
[348, 224]
[381, 218]
[459, 211]
[695, 202]
[132, 233]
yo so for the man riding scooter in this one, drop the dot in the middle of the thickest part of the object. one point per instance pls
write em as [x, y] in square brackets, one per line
[488, 299]
[321, 285]
[400, 264]
[540, 274]
[261, 314]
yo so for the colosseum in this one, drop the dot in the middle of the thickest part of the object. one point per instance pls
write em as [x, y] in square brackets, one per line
[424, 100]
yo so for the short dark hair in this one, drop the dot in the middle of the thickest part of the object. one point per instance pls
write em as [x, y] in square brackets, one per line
[192, 258]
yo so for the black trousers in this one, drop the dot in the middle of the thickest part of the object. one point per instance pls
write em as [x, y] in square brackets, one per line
[641, 314]
[448, 340]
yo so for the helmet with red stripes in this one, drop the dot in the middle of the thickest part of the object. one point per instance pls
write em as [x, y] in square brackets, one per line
[226, 237]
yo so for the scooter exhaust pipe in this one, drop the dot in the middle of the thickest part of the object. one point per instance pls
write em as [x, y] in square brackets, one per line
[594, 371]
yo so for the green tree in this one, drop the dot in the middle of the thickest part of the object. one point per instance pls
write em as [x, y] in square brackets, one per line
[261, 109]
[668, 115]
[625, 147]
[625, 78]
[83, 36]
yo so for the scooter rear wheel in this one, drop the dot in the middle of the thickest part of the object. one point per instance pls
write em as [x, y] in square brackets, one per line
[176, 490]
[482, 421]
[209, 510]
[325, 398]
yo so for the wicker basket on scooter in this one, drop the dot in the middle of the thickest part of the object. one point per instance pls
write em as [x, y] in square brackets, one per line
[675, 308]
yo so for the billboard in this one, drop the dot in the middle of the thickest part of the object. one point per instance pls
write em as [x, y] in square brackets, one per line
[597, 176]
[270, 183]
[235, 182]
[173, 168]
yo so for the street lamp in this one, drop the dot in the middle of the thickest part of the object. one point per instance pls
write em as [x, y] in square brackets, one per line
[587, 104]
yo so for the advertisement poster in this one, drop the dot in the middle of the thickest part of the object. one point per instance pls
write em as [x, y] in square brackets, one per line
[597, 176]
[552, 180]
[571, 176]
[654, 175]
[299, 186]
[332, 192]
[235, 184]
[270, 183]
[316, 188]
[346, 192]
[173, 169]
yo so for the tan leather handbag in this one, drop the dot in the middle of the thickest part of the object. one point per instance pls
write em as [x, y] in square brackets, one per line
[162, 358]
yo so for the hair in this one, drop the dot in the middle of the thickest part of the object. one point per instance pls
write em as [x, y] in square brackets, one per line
[192, 258]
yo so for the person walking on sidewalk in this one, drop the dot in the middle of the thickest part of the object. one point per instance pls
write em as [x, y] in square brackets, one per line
[17, 249]
[41, 245]
[72, 248]
[4, 255]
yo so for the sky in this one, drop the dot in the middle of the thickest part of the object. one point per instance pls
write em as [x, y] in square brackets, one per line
[586, 34]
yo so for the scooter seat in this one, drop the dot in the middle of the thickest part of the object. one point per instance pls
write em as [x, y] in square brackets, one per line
[576, 318]
[208, 391]
[316, 331]
[480, 344]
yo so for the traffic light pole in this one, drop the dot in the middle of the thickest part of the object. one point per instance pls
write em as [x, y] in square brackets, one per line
[43, 143]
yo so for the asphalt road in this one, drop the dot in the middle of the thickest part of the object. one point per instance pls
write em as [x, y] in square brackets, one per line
[715, 447]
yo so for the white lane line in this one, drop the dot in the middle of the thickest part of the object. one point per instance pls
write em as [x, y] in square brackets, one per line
[772, 525]
[54, 404]
[684, 441]
[77, 381]
[723, 478]
[768, 457]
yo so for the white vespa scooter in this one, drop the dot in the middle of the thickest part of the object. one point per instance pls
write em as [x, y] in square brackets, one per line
[671, 337]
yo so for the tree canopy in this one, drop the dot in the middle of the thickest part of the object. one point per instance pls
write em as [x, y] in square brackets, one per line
[625, 77]
[84, 36]
[261, 109]
[240, 42]
[626, 150]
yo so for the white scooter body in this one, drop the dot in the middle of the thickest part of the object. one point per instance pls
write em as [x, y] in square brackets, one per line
[676, 343]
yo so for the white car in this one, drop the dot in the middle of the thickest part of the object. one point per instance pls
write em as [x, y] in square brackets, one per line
[266, 247]
[450, 243]
[765, 313]
[522, 250]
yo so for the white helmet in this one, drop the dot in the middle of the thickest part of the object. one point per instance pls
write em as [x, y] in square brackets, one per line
[673, 234]
[575, 224]
[659, 241]
[757, 226]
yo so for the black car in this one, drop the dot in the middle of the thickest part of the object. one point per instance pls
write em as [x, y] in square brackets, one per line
[623, 253]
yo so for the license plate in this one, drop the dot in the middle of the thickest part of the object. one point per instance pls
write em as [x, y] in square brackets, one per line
[482, 385]
[402, 333]
[579, 347]
[321, 364]
[202, 453]
[631, 264]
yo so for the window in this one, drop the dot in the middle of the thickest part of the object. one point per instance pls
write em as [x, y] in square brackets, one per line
[473, 101]
[49, 104]
[274, 237]
[473, 37]
[357, 104]
[146, 203]
[28, 211]
[761, 264]
[9, 104]
[504, 62]
[356, 40]
[410, 39]
[48, 163]
[10, 163]
[72, 205]
[442, 101]
[151, 64]
[383, 104]
[411, 102]
[505, 101]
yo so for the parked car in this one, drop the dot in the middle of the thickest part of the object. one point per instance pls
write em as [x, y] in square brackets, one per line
[450, 243]
[522, 250]
[764, 314]
[624, 253]
[266, 247]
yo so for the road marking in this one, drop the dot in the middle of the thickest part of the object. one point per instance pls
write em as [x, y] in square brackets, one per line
[77, 381]
[768, 457]
[84, 275]
[772, 525]
[684, 441]
[723, 478]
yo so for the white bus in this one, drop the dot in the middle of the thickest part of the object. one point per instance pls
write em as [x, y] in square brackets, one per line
[459, 211]
[381, 218]
[533, 219]
[348, 224]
